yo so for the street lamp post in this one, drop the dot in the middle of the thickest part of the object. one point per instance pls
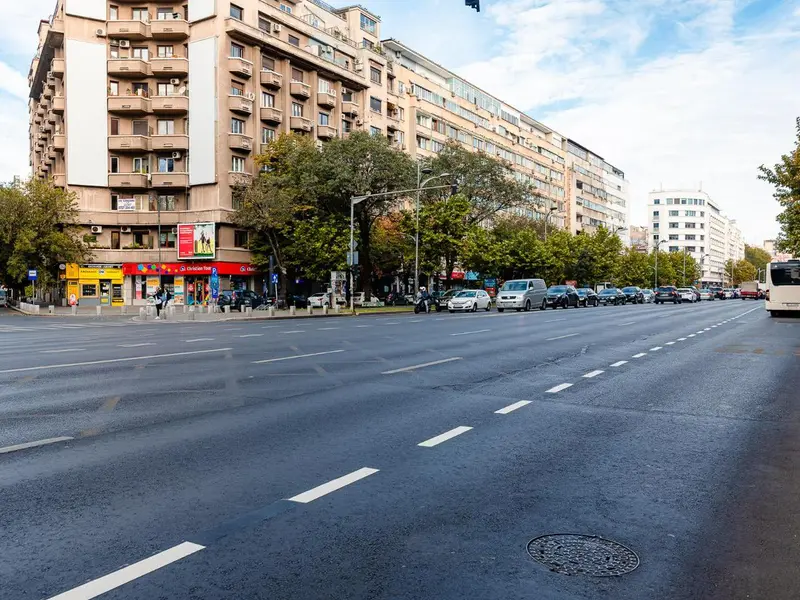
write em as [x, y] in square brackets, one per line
[351, 263]
[655, 282]
[420, 185]
[703, 266]
[547, 218]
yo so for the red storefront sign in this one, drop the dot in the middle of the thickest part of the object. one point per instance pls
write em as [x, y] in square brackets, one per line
[185, 241]
[202, 269]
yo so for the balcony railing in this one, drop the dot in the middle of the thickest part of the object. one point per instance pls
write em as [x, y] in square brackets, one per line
[173, 141]
[174, 104]
[270, 114]
[271, 78]
[237, 141]
[169, 180]
[131, 30]
[129, 143]
[170, 67]
[128, 104]
[169, 29]
[240, 104]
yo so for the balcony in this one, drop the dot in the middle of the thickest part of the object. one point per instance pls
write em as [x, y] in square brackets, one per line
[48, 125]
[58, 67]
[242, 143]
[169, 105]
[59, 142]
[350, 108]
[128, 67]
[127, 180]
[129, 143]
[240, 66]
[271, 79]
[160, 143]
[169, 29]
[58, 105]
[128, 105]
[51, 82]
[41, 109]
[300, 89]
[271, 114]
[129, 30]
[398, 145]
[326, 99]
[59, 180]
[51, 117]
[170, 67]
[300, 124]
[394, 123]
[326, 132]
[240, 104]
[169, 180]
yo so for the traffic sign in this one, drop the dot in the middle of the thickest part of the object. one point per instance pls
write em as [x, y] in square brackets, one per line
[352, 258]
[33, 275]
[274, 278]
[353, 245]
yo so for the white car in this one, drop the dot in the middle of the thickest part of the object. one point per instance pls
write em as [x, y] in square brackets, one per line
[319, 300]
[687, 295]
[470, 300]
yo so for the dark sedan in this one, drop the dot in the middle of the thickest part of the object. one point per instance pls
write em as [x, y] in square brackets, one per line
[562, 296]
[612, 296]
[667, 293]
[588, 296]
[633, 294]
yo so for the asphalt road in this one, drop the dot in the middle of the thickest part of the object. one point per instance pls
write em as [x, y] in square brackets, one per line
[400, 456]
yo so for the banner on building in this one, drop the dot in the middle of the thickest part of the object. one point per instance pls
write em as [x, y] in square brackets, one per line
[196, 240]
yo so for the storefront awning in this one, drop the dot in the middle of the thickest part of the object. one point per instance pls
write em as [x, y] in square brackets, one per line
[189, 268]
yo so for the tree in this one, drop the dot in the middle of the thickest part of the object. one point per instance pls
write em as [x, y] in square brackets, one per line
[594, 256]
[361, 165]
[634, 268]
[318, 245]
[692, 268]
[392, 248]
[38, 230]
[758, 257]
[666, 271]
[486, 251]
[785, 178]
[739, 271]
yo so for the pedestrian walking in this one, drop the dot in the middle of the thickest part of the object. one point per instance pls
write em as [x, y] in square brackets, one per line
[159, 302]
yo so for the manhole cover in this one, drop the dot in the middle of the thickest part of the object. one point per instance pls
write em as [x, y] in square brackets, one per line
[573, 554]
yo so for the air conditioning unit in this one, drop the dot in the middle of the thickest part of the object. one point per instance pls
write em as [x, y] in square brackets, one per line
[100, 32]
[114, 44]
[176, 155]
[97, 229]
[176, 15]
[175, 81]
[124, 229]
[174, 230]
[276, 27]
[359, 122]
[250, 96]
[359, 67]
[124, 44]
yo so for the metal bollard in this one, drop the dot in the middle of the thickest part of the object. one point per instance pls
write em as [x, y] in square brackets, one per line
[248, 311]
[99, 310]
[36, 308]
[292, 311]
[171, 311]
[51, 310]
[271, 311]
[143, 313]
[310, 310]
[123, 310]
[191, 315]
[324, 310]
[227, 310]
[337, 309]
[185, 309]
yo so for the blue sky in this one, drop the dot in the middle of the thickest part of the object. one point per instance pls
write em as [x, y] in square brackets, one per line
[673, 92]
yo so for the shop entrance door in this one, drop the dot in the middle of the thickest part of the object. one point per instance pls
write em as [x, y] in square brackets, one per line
[105, 292]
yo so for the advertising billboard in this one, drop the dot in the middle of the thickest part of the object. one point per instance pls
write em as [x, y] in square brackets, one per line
[196, 240]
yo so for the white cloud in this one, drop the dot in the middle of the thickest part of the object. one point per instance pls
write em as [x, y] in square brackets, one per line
[709, 110]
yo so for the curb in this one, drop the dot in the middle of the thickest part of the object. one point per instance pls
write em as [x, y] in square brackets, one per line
[275, 318]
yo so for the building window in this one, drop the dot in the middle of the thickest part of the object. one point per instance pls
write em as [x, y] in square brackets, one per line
[237, 89]
[375, 75]
[114, 126]
[267, 63]
[113, 88]
[689, 237]
[297, 75]
[655, 213]
[347, 126]
[294, 40]
[115, 164]
[655, 237]
[656, 201]
[237, 51]
[237, 164]
[140, 127]
[368, 24]
[165, 51]
[114, 51]
[324, 119]
[690, 225]
[113, 13]
[139, 14]
[237, 126]
[166, 127]
[656, 225]
[263, 23]
[673, 213]
[166, 89]
[347, 95]
[325, 86]
[297, 109]
[241, 239]
[673, 236]
[375, 130]
[375, 104]
[166, 165]
[166, 203]
[140, 53]
[286, 9]
[237, 12]
[141, 164]
[691, 213]
[166, 14]
[267, 135]
[267, 100]
[673, 248]
[674, 225]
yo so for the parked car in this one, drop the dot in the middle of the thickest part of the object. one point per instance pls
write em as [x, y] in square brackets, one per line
[718, 293]
[470, 300]
[396, 299]
[648, 296]
[706, 294]
[667, 293]
[319, 300]
[3, 298]
[522, 294]
[728, 292]
[562, 296]
[247, 299]
[696, 292]
[633, 294]
[612, 296]
[444, 297]
[687, 295]
[588, 297]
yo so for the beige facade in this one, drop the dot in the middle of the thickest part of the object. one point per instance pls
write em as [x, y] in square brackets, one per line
[141, 106]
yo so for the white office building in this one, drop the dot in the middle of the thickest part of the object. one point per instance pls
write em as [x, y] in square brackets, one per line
[690, 221]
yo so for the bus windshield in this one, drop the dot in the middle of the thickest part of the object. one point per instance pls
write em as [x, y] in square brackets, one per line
[785, 273]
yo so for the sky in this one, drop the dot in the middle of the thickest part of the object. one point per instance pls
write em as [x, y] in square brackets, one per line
[691, 94]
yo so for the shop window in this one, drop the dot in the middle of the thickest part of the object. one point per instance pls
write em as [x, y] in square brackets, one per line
[241, 239]
[89, 290]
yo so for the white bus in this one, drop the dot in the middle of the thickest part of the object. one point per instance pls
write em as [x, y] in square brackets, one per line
[783, 287]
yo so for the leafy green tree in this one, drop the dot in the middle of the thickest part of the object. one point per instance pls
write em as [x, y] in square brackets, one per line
[594, 257]
[487, 251]
[758, 257]
[318, 245]
[692, 268]
[38, 230]
[739, 271]
[392, 247]
[666, 270]
[634, 268]
[785, 178]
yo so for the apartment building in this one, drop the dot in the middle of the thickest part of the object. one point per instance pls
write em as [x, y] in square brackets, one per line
[691, 221]
[639, 238]
[597, 193]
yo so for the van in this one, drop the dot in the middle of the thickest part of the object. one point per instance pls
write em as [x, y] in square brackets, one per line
[3, 298]
[522, 294]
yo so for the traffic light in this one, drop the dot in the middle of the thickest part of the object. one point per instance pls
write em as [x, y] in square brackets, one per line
[476, 4]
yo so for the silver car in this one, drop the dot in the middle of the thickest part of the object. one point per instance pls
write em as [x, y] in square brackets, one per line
[522, 294]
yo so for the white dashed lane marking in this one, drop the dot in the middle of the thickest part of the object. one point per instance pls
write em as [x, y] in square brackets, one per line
[656, 348]
[640, 355]
[333, 485]
[619, 363]
[558, 388]
[669, 343]
[591, 374]
[512, 407]
[443, 437]
[561, 337]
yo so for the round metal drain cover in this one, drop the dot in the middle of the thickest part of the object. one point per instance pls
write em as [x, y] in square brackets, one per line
[573, 554]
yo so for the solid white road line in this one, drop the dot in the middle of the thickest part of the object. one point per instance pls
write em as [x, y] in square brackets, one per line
[199, 340]
[512, 407]
[422, 366]
[136, 345]
[272, 360]
[333, 485]
[63, 350]
[669, 343]
[656, 348]
[591, 374]
[558, 388]
[16, 447]
[471, 332]
[247, 335]
[561, 337]
[113, 360]
[640, 355]
[619, 363]
[104, 584]
[447, 435]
